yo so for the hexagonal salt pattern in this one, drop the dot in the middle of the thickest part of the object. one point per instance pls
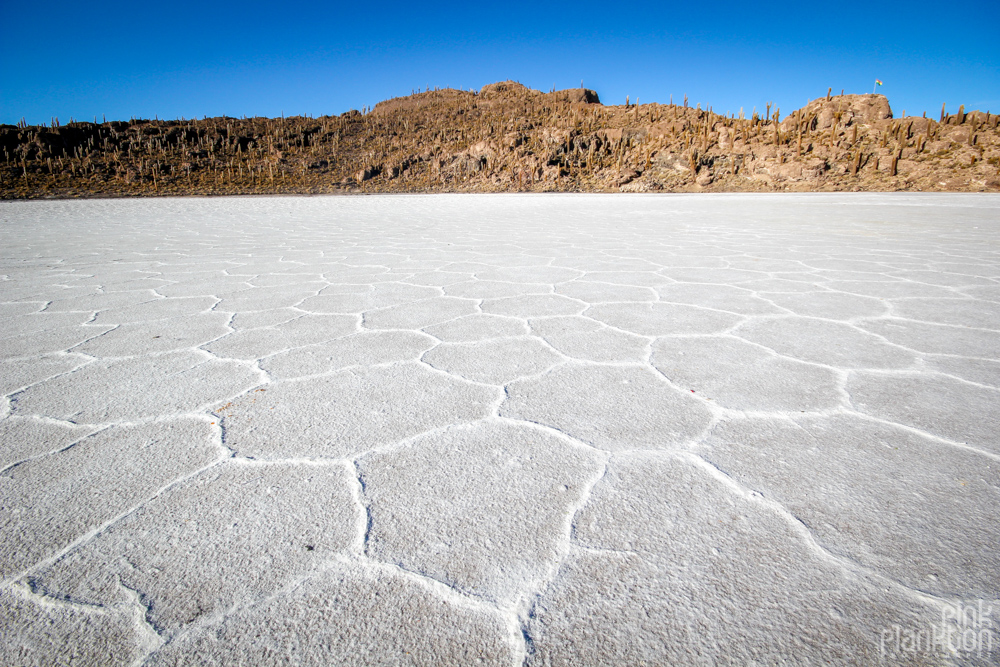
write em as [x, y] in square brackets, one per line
[500, 430]
[466, 528]
[350, 412]
[354, 615]
[609, 407]
[670, 562]
[36, 627]
[97, 480]
[886, 496]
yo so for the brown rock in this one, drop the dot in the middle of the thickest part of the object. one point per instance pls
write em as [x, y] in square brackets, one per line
[725, 139]
[668, 161]
[865, 109]
[366, 174]
[626, 177]
[575, 96]
[503, 88]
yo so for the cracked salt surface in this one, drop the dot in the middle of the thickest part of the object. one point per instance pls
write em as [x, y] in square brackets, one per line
[499, 429]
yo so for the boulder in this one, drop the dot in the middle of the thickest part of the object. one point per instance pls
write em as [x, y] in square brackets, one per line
[667, 161]
[367, 174]
[481, 149]
[626, 176]
[725, 138]
[640, 186]
[865, 109]
[503, 88]
[574, 96]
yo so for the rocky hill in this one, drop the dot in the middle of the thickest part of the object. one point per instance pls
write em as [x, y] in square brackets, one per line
[508, 138]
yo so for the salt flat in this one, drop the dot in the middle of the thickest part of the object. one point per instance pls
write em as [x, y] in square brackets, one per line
[567, 429]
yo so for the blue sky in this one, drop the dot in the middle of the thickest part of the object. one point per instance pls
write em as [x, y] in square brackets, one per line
[124, 59]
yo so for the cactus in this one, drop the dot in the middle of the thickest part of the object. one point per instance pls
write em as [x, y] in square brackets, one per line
[894, 166]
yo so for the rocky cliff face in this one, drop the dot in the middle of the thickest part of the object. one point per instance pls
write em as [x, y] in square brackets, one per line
[507, 137]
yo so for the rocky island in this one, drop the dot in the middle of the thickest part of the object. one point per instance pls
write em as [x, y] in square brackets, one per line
[509, 138]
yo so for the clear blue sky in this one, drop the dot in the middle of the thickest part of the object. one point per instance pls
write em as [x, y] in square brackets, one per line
[186, 58]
